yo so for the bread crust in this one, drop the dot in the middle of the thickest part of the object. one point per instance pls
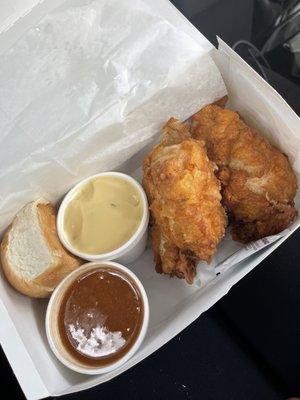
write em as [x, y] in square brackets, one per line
[64, 262]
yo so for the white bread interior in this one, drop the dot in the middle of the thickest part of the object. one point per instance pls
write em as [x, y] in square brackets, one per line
[33, 258]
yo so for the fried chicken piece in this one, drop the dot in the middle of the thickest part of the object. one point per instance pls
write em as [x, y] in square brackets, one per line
[185, 202]
[169, 259]
[258, 183]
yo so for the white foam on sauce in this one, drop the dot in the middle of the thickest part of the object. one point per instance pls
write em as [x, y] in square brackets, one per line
[100, 343]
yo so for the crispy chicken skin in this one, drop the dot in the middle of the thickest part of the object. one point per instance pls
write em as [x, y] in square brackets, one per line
[188, 220]
[169, 259]
[258, 183]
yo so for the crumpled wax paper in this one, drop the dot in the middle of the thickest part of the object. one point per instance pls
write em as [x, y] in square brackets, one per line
[86, 88]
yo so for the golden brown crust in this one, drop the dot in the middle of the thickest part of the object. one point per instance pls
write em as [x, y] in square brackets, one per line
[258, 183]
[221, 102]
[184, 197]
[175, 132]
[64, 262]
[169, 259]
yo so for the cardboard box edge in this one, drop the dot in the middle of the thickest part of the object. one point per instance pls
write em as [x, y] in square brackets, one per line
[14, 349]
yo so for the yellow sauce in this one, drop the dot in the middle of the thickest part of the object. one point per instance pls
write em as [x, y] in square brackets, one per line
[103, 215]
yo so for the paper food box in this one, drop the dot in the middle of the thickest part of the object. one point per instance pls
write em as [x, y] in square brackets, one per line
[85, 87]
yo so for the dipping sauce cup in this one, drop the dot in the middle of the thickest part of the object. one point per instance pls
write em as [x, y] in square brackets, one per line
[105, 217]
[97, 317]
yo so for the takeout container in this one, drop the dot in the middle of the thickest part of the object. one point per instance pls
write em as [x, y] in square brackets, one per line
[53, 309]
[78, 98]
[129, 251]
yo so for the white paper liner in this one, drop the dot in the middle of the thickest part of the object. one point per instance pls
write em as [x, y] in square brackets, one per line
[85, 88]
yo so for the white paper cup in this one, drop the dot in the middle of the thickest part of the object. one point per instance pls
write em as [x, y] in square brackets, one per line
[52, 329]
[130, 250]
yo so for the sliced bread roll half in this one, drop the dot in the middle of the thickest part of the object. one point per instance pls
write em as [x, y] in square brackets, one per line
[33, 258]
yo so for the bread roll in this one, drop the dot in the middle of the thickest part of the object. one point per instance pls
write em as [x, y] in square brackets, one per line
[33, 258]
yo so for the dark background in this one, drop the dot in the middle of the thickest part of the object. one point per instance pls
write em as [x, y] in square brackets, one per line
[248, 345]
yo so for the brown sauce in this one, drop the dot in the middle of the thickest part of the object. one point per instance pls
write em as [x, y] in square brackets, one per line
[100, 316]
